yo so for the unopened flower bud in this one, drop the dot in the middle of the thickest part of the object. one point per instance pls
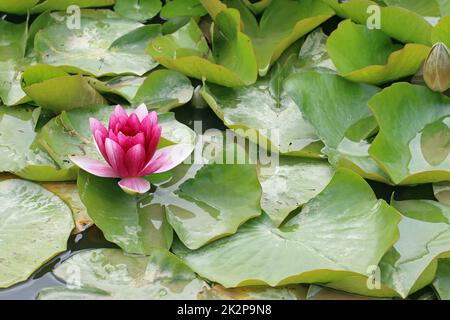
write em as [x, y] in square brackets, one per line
[436, 70]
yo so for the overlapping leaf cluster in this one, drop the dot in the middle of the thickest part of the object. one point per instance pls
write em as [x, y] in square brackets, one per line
[344, 104]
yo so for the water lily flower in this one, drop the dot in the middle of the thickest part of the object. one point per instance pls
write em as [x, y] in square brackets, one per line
[436, 69]
[129, 147]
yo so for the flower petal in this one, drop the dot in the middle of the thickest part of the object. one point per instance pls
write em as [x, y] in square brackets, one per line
[152, 144]
[135, 159]
[99, 139]
[97, 125]
[134, 185]
[167, 158]
[95, 167]
[141, 112]
[116, 157]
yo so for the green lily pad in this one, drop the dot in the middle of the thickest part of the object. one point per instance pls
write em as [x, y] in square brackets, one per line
[139, 10]
[35, 227]
[19, 154]
[164, 90]
[70, 134]
[13, 40]
[132, 222]
[231, 64]
[293, 183]
[17, 7]
[370, 56]
[105, 44]
[396, 22]
[125, 87]
[322, 293]
[413, 143]
[282, 23]
[210, 201]
[342, 231]
[426, 8]
[441, 32]
[265, 113]
[217, 292]
[323, 97]
[62, 5]
[411, 263]
[442, 192]
[442, 281]
[68, 192]
[113, 275]
[182, 8]
[53, 89]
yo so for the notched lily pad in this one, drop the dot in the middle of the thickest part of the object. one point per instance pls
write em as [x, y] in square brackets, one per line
[35, 225]
[413, 143]
[370, 56]
[342, 231]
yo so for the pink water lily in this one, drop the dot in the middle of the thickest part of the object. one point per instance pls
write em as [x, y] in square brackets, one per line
[129, 147]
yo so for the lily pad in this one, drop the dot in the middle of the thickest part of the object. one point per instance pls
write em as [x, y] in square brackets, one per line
[19, 154]
[441, 32]
[442, 192]
[217, 292]
[265, 113]
[68, 192]
[139, 10]
[413, 29]
[164, 90]
[370, 56]
[182, 8]
[342, 231]
[231, 64]
[338, 110]
[211, 201]
[411, 263]
[426, 8]
[13, 40]
[129, 221]
[113, 275]
[293, 183]
[282, 23]
[442, 281]
[35, 226]
[62, 5]
[53, 89]
[104, 44]
[125, 87]
[413, 143]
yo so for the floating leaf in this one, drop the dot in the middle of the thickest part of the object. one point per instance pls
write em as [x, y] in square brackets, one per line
[363, 12]
[164, 90]
[68, 192]
[265, 113]
[125, 87]
[442, 281]
[35, 227]
[140, 10]
[129, 221]
[113, 275]
[54, 89]
[413, 143]
[211, 201]
[217, 292]
[282, 23]
[291, 184]
[338, 110]
[63, 5]
[411, 263]
[103, 44]
[441, 32]
[19, 154]
[182, 8]
[342, 231]
[370, 56]
[232, 63]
